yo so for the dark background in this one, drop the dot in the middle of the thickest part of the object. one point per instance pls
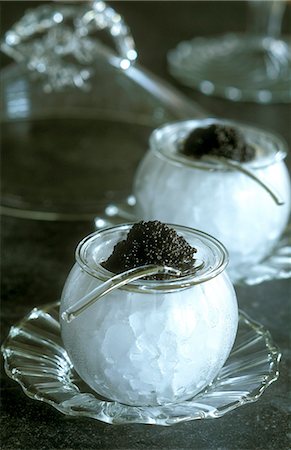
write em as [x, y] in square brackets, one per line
[36, 257]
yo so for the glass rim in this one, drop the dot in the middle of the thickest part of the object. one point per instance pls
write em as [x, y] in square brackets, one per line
[143, 285]
[165, 140]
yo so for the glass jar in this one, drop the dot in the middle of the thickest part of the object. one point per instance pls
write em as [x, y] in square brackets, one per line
[150, 341]
[220, 200]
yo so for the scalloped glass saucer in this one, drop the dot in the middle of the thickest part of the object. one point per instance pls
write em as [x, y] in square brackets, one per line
[276, 266]
[35, 358]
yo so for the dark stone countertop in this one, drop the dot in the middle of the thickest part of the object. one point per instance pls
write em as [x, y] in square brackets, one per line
[36, 257]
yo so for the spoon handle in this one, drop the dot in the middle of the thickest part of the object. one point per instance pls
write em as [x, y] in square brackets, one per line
[249, 173]
[115, 282]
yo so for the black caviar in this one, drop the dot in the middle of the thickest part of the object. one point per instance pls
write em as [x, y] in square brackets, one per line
[218, 140]
[151, 243]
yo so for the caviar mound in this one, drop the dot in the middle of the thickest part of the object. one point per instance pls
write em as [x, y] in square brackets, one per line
[151, 243]
[218, 140]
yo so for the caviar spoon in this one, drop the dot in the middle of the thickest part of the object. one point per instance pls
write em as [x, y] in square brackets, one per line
[120, 280]
[249, 173]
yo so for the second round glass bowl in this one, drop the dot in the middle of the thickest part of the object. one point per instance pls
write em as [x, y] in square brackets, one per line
[152, 341]
[219, 200]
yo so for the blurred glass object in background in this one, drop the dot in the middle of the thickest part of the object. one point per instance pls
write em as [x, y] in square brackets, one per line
[255, 66]
[75, 115]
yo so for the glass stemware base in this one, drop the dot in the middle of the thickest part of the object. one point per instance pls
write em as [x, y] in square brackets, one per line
[35, 358]
[235, 66]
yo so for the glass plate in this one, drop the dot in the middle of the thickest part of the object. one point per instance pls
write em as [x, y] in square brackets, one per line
[35, 358]
[277, 266]
[66, 155]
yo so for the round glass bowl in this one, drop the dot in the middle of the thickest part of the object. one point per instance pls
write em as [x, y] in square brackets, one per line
[150, 342]
[220, 200]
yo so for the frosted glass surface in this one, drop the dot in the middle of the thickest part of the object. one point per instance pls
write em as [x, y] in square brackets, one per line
[150, 348]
